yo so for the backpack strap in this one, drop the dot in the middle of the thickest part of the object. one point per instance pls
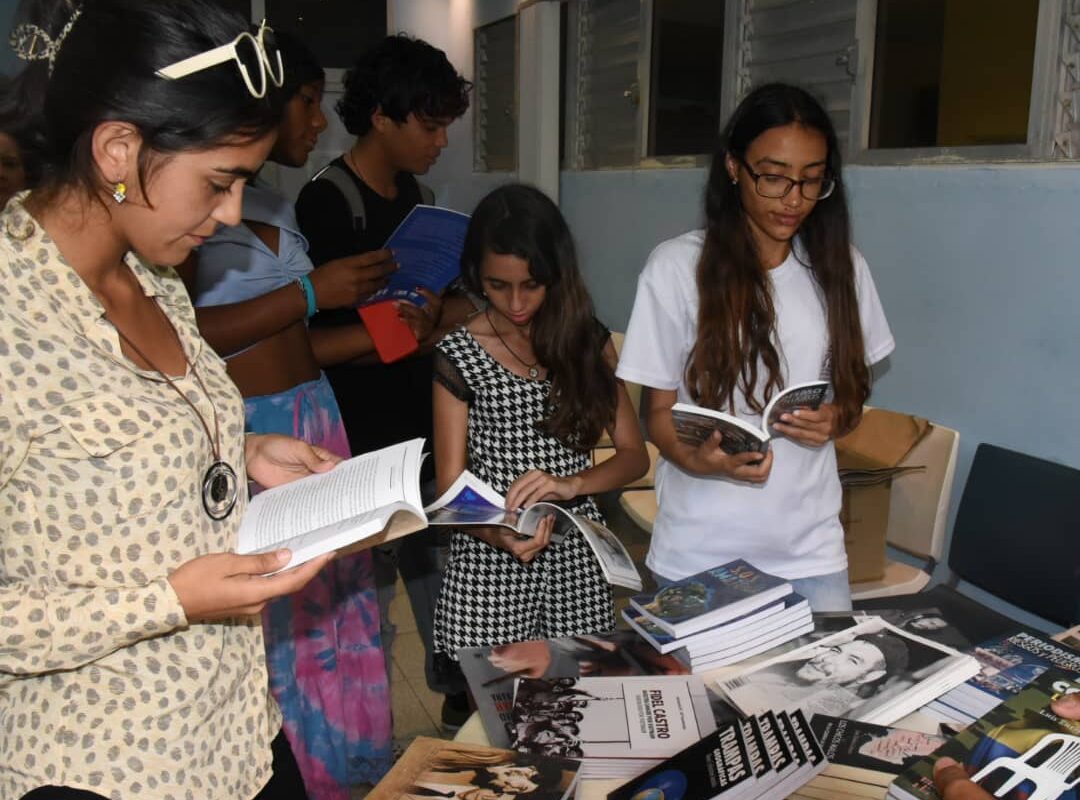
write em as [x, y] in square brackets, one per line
[338, 177]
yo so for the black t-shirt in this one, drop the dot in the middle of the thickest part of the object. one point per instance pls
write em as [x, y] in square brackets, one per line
[381, 404]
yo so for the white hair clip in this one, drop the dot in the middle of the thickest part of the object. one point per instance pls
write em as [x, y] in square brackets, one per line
[32, 43]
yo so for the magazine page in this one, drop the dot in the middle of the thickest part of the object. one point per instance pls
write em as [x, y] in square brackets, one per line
[694, 424]
[615, 562]
[427, 247]
[438, 768]
[929, 623]
[490, 671]
[868, 672]
[1014, 728]
[801, 395]
[638, 717]
[470, 501]
[333, 510]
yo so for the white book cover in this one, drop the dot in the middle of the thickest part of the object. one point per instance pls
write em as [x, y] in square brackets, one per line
[652, 716]
[873, 672]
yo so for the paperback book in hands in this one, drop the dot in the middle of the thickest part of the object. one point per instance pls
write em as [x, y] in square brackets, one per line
[471, 502]
[695, 424]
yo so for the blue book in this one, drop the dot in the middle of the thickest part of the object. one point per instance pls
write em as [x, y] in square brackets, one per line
[427, 247]
[710, 598]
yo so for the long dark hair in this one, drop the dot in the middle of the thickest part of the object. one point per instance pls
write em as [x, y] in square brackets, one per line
[566, 337]
[736, 317]
[105, 70]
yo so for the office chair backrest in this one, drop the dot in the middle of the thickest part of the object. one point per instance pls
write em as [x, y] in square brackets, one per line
[1016, 533]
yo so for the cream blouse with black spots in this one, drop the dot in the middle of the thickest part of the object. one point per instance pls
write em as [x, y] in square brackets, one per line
[103, 684]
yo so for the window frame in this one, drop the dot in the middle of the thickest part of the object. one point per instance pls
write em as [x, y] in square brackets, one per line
[1050, 112]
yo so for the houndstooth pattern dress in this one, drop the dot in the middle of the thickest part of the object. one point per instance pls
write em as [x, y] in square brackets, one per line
[488, 596]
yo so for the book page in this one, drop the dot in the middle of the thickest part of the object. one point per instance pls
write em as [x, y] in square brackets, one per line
[615, 562]
[801, 395]
[427, 247]
[352, 494]
[693, 425]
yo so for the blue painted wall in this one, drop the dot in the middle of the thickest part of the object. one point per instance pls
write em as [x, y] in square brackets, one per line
[978, 269]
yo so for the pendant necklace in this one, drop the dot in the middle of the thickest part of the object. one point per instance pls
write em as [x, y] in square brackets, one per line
[219, 485]
[534, 371]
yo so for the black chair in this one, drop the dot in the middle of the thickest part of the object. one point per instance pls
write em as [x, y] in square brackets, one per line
[1016, 537]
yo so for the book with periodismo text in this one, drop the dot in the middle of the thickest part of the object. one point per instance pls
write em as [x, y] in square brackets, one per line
[710, 597]
[471, 502]
[438, 768]
[363, 501]
[1009, 735]
[427, 248]
[695, 424]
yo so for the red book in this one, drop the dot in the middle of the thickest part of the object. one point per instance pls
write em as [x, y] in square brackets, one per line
[393, 338]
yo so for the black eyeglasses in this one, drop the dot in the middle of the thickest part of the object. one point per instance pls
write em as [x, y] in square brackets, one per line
[777, 186]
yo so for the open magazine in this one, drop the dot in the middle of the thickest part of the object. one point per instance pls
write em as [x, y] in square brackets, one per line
[695, 424]
[362, 502]
[873, 672]
[471, 502]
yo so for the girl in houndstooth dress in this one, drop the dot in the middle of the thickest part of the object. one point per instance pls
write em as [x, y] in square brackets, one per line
[522, 392]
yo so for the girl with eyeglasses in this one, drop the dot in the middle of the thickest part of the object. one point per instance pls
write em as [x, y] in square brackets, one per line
[132, 661]
[770, 294]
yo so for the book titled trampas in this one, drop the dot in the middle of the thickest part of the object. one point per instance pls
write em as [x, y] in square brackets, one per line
[710, 597]
[765, 757]
[695, 424]
[471, 502]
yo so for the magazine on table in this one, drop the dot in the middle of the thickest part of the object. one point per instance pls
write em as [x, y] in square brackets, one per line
[438, 768]
[929, 623]
[1010, 739]
[1007, 664]
[363, 501]
[711, 597]
[695, 424]
[872, 672]
[471, 502]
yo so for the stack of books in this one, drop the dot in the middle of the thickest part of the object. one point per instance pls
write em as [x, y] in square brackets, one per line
[720, 616]
[1007, 665]
[863, 758]
[1030, 740]
[765, 756]
[618, 727]
[872, 672]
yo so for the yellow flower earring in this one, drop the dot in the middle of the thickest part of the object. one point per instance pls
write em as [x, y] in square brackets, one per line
[119, 193]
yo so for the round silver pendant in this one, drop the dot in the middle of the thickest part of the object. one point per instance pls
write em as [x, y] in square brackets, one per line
[534, 373]
[219, 490]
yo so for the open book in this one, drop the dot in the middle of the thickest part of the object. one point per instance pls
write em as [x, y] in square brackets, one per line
[362, 502]
[695, 424]
[471, 502]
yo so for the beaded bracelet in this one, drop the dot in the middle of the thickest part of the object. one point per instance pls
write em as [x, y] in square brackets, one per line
[304, 282]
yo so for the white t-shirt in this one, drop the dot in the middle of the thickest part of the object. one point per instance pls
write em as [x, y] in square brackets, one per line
[789, 525]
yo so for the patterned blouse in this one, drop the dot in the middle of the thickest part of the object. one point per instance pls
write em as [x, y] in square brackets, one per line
[104, 685]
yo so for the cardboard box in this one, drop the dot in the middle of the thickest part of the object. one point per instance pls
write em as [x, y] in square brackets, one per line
[868, 459]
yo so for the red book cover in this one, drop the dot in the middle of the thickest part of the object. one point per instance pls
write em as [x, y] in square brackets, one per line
[393, 338]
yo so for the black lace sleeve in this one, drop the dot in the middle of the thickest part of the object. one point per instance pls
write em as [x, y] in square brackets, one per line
[450, 377]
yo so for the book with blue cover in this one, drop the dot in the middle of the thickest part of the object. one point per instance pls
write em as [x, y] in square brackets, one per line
[710, 598]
